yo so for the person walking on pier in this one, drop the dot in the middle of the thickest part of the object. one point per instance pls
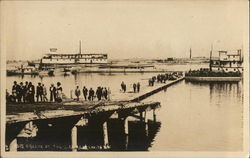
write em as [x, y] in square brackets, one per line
[138, 87]
[39, 92]
[31, 93]
[123, 86]
[22, 92]
[150, 82]
[153, 78]
[134, 87]
[105, 93]
[52, 90]
[59, 92]
[26, 91]
[45, 99]
[99, 93]
[91, 94]
[77, 93]
[109, 94]
[85, 92]
[14, 90]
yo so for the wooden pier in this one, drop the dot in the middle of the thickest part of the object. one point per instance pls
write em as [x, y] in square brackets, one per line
[35, 117]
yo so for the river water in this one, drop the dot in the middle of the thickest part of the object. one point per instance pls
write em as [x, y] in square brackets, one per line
[192, 117]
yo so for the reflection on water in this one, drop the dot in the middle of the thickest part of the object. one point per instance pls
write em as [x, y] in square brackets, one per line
[91, 137]
[193, 117]
[200, 117]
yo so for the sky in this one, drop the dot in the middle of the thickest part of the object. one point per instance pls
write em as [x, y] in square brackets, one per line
[123, 29]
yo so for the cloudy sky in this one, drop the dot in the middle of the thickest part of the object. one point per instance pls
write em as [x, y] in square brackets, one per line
[123, 29]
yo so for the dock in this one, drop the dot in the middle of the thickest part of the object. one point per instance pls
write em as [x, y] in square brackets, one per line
[25, 120]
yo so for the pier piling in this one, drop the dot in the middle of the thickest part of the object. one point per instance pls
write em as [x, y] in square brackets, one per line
[13, 145]
[74, 138]
[105, 134]
[154, 115]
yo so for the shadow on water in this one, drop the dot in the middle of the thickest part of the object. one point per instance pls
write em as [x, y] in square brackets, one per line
[57, 136]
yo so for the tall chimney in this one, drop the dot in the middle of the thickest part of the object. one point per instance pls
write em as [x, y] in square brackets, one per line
[190, 55]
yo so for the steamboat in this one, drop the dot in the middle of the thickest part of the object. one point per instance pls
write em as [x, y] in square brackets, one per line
[226, 67]
[61, 60]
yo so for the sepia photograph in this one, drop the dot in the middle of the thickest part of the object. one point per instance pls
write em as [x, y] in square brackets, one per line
[123, 78]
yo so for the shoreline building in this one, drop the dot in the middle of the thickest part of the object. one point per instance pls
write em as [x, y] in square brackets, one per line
[227, 62]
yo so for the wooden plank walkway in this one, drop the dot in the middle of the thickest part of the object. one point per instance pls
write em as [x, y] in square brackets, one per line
[145, 91]
[48, 114]
[120, 100]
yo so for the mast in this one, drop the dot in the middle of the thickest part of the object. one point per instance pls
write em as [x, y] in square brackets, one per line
[210, 58]
[80, 47]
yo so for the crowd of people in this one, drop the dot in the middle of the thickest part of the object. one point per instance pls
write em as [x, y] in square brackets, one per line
[100, 93]
[26, 93]
[162, 78]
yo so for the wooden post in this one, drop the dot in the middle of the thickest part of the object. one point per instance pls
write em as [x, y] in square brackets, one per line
[126, 125]
[71, 95]
[126, 132]
[141, 117]
[105, 134]
[13, 145]
[74, 138]
[146, 122]
[154, 115]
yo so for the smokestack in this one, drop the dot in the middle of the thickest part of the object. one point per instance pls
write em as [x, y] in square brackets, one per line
[190, 56]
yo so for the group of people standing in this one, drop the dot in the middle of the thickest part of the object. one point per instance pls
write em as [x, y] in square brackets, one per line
[136, 87]
[100, 93]
[26, 93]
[162, 78]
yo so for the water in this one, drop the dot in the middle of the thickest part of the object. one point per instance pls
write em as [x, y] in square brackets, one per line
[193, 116]
[200, 117]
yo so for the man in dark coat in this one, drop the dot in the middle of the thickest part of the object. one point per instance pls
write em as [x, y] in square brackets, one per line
[39, 92]
[134, 87]
[52, 90]
[77, 93]
[22, 92]
[105, 93]
[85, 92]
[138, 87]
[99, 93]
[91, 94]
[15, 89]
[26, 91]
[31, 93]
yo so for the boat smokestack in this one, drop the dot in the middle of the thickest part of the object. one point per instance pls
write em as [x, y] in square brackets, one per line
[190, 55]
